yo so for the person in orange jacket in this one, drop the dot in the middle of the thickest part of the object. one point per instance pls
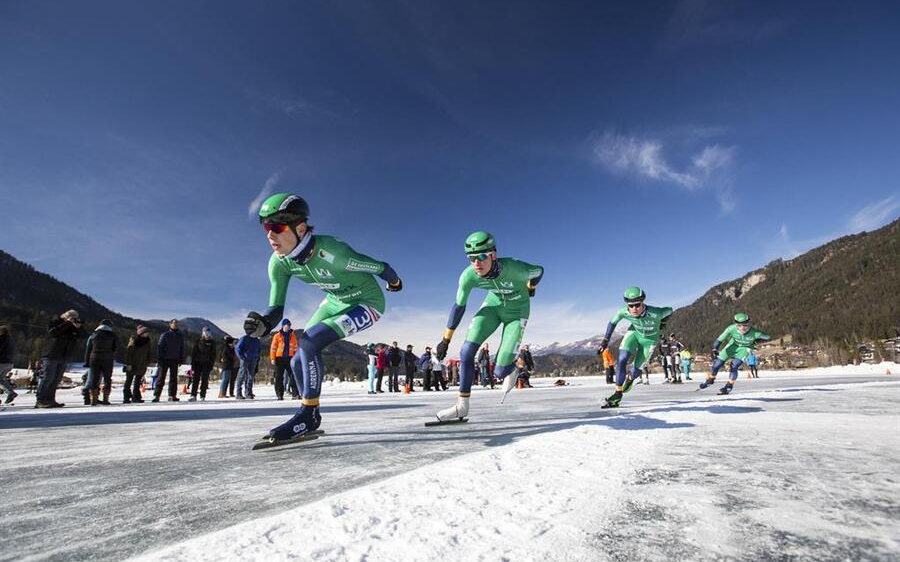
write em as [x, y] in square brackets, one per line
[284, 346]
[609, 366]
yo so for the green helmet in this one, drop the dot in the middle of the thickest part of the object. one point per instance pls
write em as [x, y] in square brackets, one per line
[479, 242]
[634, 294]
[741, 318]
[285, 208]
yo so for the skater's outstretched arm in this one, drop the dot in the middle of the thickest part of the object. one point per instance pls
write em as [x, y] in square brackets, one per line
[467, 280]
[610, 328]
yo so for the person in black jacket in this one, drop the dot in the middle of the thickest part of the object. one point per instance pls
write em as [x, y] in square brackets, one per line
[6, 363]
[99, 356]
[63, 332]
[202, 358]
[393, 358]
[409, 363]
[170, 352]
[229, 362]
[137, 357]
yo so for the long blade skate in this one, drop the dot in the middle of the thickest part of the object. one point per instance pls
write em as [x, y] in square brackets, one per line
[270, 442]
[448, 422]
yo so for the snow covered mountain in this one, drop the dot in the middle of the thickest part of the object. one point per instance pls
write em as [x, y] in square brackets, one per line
[581, 347]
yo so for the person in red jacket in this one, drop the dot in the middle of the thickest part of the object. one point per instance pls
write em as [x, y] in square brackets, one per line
[284, 346]
[381, 365]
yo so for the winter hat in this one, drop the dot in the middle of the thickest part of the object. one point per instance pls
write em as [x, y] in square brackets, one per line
[70, 315]
[285, 322]
[106, 322]
[141, 330]
[229, 339]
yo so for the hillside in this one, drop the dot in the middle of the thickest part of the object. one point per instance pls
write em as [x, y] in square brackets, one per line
[835, 295]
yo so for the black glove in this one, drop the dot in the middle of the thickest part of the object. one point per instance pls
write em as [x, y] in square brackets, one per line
[256, 325]
[604, 343]
[124, 368]
[394, 288]
[441, 349]
[531, 290]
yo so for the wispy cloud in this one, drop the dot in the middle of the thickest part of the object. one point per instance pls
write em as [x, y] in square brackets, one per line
[704, 21]
[644, 158]
[289, 106]
[873, 216]
[267, 190]
[870, 217]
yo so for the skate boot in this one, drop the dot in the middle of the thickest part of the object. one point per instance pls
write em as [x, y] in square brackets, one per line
[628, 384]
[708, 382]
[509, 383]
[11, 396]
[304, 422]
[726, 388]
[457, 412]
[613, 401]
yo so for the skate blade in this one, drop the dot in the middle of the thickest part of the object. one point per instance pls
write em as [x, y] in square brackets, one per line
[448, 422]
[607, 405]
[269, 443]
[315, 432]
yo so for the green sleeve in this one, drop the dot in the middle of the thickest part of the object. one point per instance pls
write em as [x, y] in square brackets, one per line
[351, 260]
[279, 277]
[618, 317]
[726, 334]
[530, 272]
[466, 282]
[761, 335]
[666, 311]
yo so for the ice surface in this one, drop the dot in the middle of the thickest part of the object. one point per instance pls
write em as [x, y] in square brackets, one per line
[791, 465]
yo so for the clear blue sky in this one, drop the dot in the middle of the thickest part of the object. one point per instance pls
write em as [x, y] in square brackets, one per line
[669, 145]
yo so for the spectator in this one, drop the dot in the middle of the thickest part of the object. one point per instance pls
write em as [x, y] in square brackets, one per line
[662, 350]
[609, 366]
[284, 346]
[170, 352]
[247, 348]
[372, 359]
[6, 363]
[63, 332]
[686, 360]
[675, 348]
[409, 363]
[529, 360]
[437, 374]
[99, 356]
[381, 365]
[426, 366]
[229, 365]
[484, 364]
[522, 372]
[137, 357]
[393, 357]
[37, 371]
[525, 354]
[203, 357]
[453, 368]
[752, 362]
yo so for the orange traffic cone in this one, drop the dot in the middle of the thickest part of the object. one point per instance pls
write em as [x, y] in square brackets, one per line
[405, 389]
[520, 383]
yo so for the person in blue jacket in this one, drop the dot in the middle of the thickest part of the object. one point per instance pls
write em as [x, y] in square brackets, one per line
[248, 348]
[752, 362]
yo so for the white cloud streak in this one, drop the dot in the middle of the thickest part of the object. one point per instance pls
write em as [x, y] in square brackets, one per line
[644, 158]
[266, 191]
[875, 215]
